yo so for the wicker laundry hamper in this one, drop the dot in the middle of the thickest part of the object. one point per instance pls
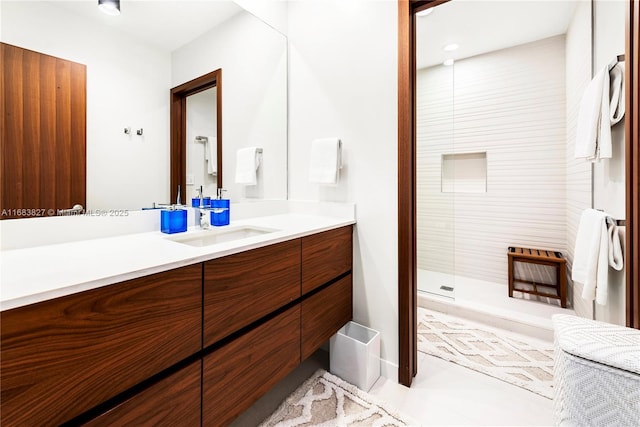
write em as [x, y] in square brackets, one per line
[596, 372]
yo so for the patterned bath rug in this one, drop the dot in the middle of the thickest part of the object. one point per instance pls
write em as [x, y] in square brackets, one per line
[325, 400]
[526, 364]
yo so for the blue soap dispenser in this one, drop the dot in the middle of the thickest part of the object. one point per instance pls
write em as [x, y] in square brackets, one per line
[173, 219]
[200, 201]
[220, 210]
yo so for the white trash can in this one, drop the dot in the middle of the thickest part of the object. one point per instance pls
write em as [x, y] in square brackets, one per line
[354, 355]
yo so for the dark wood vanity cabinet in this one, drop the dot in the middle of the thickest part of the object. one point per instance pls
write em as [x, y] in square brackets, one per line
[242, 288]
[326, 256]
[173, 401]
[60, 358]
[192, 346]
[240, 372]
[323, 313]
[250, 285]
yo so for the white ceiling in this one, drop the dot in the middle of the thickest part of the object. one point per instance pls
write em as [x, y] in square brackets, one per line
[165, 24]
[481, 26]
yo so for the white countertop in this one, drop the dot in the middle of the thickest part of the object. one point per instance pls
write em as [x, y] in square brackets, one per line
[40, 273]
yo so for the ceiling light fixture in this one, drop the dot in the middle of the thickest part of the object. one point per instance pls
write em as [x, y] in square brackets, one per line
[424, 12]
[110, 7]
[448, 62]
[451, 47]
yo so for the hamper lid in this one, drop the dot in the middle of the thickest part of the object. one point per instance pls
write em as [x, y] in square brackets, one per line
[605, 343]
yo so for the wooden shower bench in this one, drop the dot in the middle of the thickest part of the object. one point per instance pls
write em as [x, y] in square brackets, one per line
[542, 257]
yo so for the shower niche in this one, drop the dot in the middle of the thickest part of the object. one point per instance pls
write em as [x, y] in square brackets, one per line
[464, 173]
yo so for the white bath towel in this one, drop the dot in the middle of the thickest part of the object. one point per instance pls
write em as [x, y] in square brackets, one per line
[591, 258]
[211, 154]
[326, 161]
[247, 162]
[601, 107]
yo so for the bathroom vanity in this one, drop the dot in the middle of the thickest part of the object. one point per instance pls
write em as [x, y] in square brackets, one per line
[194, 344]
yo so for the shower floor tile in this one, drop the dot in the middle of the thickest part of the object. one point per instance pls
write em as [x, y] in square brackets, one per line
[489, 303]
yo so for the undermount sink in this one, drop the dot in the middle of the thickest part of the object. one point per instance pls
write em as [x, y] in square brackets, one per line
[220, 235]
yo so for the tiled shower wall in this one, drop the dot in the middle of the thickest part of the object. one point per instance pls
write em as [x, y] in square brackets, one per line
[510, 104]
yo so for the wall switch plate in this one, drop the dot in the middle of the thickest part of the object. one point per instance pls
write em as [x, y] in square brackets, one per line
[190, 179]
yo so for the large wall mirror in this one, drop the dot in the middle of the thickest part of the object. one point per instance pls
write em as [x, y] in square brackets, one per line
[132, 62]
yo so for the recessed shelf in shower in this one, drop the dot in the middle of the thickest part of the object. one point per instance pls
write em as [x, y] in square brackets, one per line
[464, 173]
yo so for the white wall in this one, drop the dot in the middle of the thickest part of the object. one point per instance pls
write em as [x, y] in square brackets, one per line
[578, 67]
[273, 12]
[127, 85]
[509, 104]
[343, 83]
[201, 121]
[253, 59]
[608, 174]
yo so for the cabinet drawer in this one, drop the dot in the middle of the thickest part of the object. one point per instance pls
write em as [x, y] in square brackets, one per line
[325, 256]
[239, 373]
[324, 313]
[60, 358]
[174, 401]
[240, 289]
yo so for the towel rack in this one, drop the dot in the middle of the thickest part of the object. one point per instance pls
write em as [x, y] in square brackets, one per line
[619, 222]
[201, 139]
[620, 58]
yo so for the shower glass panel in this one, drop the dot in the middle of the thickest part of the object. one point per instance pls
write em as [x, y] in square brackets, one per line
[434, 139]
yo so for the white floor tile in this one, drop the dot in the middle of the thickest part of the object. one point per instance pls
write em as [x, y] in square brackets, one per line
[444, 393]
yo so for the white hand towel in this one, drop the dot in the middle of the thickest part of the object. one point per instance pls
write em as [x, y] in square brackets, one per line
[589, 118]
[602, 106]
[604, 149]
[326, 161]
[247, 162]
[615, 247]
[617, 103]
[211, 154]
[591, 259]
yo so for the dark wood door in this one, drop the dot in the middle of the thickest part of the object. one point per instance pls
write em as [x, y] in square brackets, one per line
[43, 102]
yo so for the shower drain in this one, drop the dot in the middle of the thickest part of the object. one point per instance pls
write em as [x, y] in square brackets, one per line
[446, 288]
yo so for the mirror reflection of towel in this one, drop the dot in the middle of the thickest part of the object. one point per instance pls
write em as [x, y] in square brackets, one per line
[211, 154]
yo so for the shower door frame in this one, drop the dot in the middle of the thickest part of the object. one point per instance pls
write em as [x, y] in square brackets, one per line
[407, 286]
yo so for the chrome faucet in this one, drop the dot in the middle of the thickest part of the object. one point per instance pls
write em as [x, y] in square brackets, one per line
[202, 214]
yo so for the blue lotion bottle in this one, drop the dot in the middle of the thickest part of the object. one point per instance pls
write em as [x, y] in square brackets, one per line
[173, 220]
[220, 210]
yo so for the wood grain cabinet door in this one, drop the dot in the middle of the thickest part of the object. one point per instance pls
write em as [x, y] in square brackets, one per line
[43, 141]
[326, 256]
[240, 289]
[240, 372]
[173, 401]
[324, 312]
[62, 357]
